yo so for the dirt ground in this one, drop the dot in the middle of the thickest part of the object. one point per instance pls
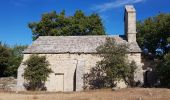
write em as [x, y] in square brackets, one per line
[107, 94]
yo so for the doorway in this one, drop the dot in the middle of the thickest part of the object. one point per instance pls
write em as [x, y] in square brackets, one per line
[59, 82]
[74, 81]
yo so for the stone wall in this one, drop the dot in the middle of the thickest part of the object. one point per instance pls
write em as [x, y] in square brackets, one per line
[8, 84]
[65, 64]
[139, 71]
[71, 65]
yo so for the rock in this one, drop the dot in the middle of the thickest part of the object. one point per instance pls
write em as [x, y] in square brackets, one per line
[8, 84]
[115, 88]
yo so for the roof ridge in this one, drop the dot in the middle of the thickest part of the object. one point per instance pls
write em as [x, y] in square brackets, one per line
[85, 36]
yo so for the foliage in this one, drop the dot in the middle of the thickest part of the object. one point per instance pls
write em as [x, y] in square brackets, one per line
[10, 59]
[36, 72]
[53, 24]
[15, 59]
[129, 79]
[153, 34]
[154, 38]
[112, 68]
[4, 58]
[163, 70]
[96, 79]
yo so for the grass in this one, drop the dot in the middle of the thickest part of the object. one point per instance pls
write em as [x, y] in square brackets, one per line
[105, 94]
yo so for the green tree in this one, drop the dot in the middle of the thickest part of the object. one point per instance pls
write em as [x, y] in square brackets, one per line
[15, 59]
[154, 34]
[4, 58]
[113, 67]
[53, 24]
[153, 31]
[114, 60]
[36, 72]
[163, 70]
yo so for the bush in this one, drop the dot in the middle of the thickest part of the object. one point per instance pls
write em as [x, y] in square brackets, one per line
[36, 72]
[129, 78]
[112, 68]
[163, 70]
[96, 79]
[10, 59]
[15, 59]
[4, 58]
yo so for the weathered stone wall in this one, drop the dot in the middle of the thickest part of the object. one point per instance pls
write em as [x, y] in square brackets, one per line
[66, 64]
[8, 84]
[139, 71]
[130, 23]
[70, 65]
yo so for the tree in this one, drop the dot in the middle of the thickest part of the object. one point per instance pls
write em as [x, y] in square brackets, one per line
[153, 33]
[112, 68]
[163, 70]
[10, 59]
[15, 59]
[53, 24]
[4, 58]
[154, 38]
[36, 72]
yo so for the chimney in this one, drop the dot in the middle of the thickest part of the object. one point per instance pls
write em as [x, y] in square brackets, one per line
[130, 23]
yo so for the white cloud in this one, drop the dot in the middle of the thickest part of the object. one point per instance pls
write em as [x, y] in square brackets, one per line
[114, 4]
[19, 2]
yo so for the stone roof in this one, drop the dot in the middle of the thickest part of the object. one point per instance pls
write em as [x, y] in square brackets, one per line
[73, 44]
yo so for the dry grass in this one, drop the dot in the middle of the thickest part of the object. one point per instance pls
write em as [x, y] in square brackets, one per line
[34, 97]
[123, 94]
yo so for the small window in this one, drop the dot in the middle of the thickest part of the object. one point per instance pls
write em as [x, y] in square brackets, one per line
[59, 73]
[132, 54]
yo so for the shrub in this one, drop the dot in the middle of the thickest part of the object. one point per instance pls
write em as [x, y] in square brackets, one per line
[112, 68]
[36, 72]
[129, 78]
[163, 70]
[4, 59]
[96, 79]
[15, 59]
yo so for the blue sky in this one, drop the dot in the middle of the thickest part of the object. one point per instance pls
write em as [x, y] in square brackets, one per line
[16, 14]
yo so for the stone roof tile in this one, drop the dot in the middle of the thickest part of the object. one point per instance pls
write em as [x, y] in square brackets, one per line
[73, 44]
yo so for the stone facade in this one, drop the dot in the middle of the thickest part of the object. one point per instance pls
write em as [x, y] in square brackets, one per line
[72, 67]
[69, 65]
[70, 57]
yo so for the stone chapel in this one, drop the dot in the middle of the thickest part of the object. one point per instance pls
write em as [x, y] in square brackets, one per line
[70, 57]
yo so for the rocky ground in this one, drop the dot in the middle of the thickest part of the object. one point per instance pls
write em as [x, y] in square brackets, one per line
[123, 94]
[8, 84]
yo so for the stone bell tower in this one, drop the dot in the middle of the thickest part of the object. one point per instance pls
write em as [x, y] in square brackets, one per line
[130, 23]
